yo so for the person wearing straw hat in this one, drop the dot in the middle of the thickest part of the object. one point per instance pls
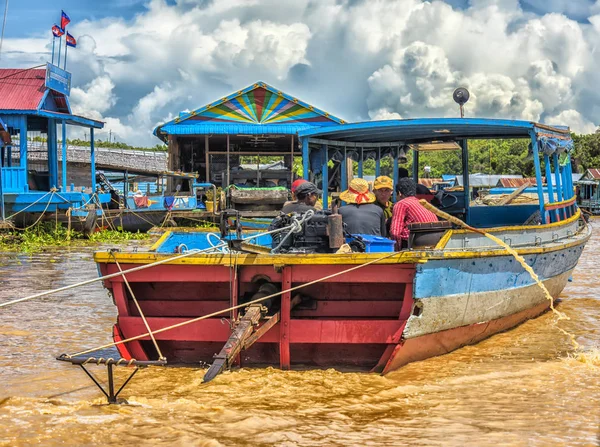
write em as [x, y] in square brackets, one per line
[361, 215]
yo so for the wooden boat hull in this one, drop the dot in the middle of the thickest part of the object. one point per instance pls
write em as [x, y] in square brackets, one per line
[405, 308]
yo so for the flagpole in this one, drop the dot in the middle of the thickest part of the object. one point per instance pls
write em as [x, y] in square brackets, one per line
[53, 40]
[59, 48]
[66, 48]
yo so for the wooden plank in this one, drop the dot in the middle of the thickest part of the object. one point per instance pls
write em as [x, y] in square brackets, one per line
[284, 325]
[397, 273]
[300, 331]
[513, 195]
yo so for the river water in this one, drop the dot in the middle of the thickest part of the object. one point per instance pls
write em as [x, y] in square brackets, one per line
[524, 387]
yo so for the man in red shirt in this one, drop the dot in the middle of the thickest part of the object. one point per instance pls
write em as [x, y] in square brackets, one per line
[408, 210]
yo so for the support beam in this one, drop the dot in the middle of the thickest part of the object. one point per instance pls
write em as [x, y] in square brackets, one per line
[23, 146]
[284, 323]
[559, 187]
[360, 163]
[93, 160]
[396, 174]
[378, 163]
[415, 166]
[207, 159]
[465, 165]
[344, 172]
[228, 155]
[52, 153]
[305, 158]
[325, 176]
[538, 175]
[64, 155]
[553, 214]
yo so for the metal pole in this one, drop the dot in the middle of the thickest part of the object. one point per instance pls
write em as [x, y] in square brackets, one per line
[291, 162]
[66, 49]
[465, 164]
[53, 40]
[228, 155]
[59, 49]
[378, 163]
[305, 156]
[325, 176]
[93, 160]
[360, 164]
[2, 192]
[206, 159]
[64, 156]
[559, 187]
[549, 186]
[394, 193]
[538, 175]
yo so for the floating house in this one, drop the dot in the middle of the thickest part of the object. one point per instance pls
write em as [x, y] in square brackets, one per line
[35, 103]
[245, 143]
[588, 191]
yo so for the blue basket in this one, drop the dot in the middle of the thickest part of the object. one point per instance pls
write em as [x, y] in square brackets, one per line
[376, 244]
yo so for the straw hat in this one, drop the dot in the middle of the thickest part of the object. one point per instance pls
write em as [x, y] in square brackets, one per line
[383, 181]
[358, 192]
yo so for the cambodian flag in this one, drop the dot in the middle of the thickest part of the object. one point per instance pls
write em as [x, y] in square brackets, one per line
[71, 40]
[57, 31]
[64, 19]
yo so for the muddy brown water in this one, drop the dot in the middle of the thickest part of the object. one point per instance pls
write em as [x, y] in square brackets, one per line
[522, 387]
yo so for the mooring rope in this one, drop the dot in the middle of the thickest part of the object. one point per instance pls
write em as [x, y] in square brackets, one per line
[517, 256]
[134, 269]
[239, 306]
[28, 206]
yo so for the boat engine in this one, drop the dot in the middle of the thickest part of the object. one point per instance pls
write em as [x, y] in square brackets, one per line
[324, 232]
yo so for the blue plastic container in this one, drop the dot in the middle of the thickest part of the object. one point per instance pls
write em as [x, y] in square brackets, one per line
[376, 244]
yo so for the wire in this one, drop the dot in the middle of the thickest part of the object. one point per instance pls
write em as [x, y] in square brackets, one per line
[3, 27]
[21, 71]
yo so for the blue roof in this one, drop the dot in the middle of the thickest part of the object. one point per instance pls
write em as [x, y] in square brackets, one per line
[69, 118]
[427, 129]
[202, 128]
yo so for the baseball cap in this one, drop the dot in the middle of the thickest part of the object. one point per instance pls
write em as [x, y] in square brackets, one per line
[297, 183]
[308, 188]
[383, 181]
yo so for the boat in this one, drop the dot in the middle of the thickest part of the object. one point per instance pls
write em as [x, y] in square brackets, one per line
[374, 310]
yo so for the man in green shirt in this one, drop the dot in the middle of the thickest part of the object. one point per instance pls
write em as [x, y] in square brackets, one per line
[383, 186]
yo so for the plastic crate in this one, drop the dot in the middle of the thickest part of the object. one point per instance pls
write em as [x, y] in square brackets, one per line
[376, 244]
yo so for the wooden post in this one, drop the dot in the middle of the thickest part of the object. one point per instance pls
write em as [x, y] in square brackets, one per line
[228, 155]
[291, 162]
[305, 158]
[207, 159]
[284, 324]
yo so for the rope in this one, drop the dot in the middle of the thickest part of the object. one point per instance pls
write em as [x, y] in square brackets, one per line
[258, 300]
[28, 206]
[160, 356]
[41, 215]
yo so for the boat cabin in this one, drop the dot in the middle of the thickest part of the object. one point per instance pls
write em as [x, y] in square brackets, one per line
[35, 111]
[245, 144]
[343, 144]
[588, 191]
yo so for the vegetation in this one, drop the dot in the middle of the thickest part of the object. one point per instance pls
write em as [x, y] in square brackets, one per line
[49, 235]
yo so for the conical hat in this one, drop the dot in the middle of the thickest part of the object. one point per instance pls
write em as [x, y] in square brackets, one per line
[358, 192]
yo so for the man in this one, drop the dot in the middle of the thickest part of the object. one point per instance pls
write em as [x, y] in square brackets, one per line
[361, 215]
[383, 186]
[408, 210]
[307, 195]
[421, 189]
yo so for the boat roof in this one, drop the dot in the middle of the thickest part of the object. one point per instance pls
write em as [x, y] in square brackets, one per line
[428, 129]
[259, 109]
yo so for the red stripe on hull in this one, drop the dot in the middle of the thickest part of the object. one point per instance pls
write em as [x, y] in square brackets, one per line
[431, 345]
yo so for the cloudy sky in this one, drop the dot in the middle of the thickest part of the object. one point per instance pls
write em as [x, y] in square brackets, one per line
[139, 63]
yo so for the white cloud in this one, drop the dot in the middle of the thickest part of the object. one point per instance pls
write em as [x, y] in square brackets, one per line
[574, 120]
[375, 59]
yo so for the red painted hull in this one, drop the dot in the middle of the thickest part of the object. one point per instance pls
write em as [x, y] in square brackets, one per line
[354, 321]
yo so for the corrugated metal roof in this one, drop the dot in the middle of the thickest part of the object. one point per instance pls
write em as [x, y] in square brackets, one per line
[518, 182]
[593, 173]
[21, 89]
[204, 128]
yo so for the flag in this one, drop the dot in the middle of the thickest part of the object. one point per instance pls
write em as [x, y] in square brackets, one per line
[64, 20]
[57, 31]
[71, 42]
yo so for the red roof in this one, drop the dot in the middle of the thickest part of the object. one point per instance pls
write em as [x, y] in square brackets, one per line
[21, 89]
[595, 173]
[518, 182]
